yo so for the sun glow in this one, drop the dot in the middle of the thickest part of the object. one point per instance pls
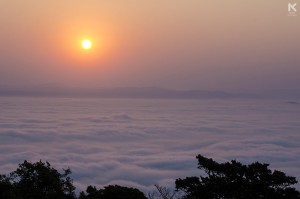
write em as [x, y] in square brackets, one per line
[86, 44]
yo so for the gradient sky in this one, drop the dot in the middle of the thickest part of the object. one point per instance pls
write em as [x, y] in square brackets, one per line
[193, 44]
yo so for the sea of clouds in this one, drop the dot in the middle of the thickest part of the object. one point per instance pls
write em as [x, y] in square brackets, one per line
[142, 142]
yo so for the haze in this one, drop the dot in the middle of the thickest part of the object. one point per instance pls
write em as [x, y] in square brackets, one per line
[177, 44]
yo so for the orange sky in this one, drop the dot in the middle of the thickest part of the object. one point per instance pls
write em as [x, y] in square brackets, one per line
[174, 44]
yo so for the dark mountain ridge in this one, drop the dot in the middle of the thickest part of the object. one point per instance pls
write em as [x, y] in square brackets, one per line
[142, 92]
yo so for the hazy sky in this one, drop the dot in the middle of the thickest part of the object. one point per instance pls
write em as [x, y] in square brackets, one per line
[192, 44]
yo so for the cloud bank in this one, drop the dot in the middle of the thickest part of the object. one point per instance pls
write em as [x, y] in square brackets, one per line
[140, 143]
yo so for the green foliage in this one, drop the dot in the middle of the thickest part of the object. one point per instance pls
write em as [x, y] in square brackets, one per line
[233, 180]
[112, 192]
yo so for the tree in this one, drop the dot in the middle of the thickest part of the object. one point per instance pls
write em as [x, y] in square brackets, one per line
[6, 188]
[237, 181]
[92, 193]
[112, 192]
[164, 193]
[39, 180]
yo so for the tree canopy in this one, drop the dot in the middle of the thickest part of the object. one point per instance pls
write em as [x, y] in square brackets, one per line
[37, 180]
[112, 192]
[229, 180]
[233, 180]
[41, 181]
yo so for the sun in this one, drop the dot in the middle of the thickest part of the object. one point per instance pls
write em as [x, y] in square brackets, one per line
[86, 44]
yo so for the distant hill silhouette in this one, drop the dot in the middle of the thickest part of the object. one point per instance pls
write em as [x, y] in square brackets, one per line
[121, 92]
[143, 92]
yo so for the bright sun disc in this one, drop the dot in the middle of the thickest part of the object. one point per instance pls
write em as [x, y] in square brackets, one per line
[86, 44]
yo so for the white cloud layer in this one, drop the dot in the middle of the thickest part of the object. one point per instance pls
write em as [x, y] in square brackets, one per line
[140, 143]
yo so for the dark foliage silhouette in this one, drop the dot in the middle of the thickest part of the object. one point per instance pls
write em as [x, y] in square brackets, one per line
[6, 188]
[35, 181]
[229, 180]
[164, 193]
[112, 192]
[237, 181]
